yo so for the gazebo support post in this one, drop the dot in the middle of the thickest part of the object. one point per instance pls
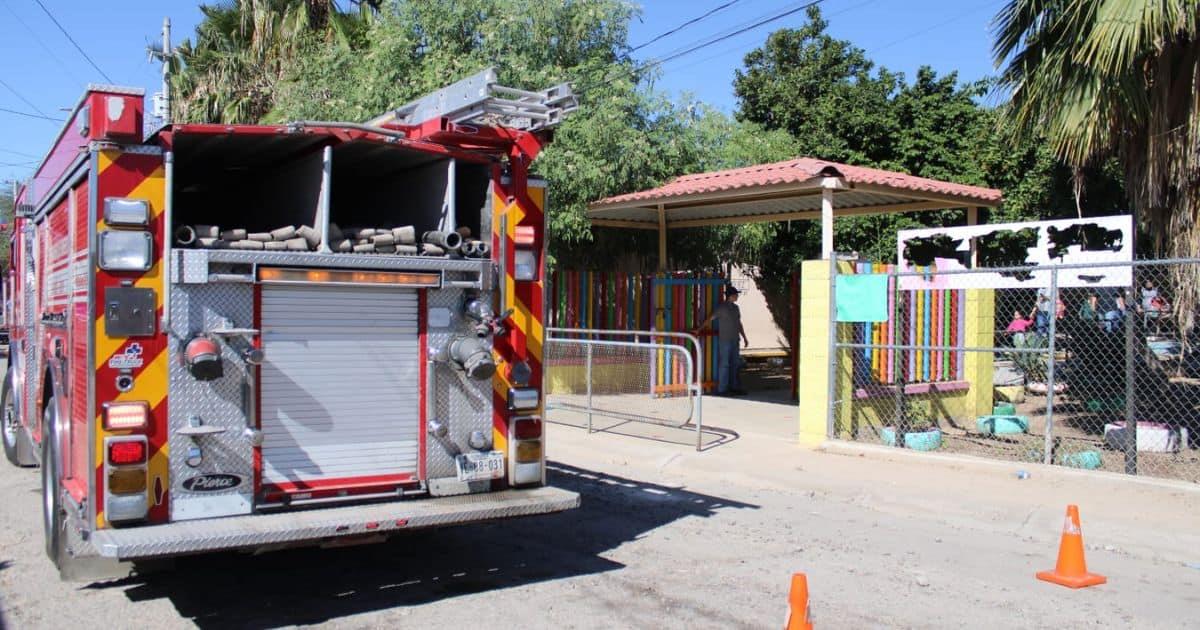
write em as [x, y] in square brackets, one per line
[828, 185]
[662, 238]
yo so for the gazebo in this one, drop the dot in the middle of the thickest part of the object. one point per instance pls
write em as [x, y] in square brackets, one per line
[803, 188]
[800, 189]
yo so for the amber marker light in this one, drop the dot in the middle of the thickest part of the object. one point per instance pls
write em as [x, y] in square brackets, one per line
[280, 275]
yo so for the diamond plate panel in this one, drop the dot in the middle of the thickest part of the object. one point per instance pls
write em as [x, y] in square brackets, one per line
[244, 532]
[33, 331]
[195, 266]
[222, 402]
[463, 403]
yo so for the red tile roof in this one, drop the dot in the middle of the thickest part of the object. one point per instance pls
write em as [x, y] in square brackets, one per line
[800, 170]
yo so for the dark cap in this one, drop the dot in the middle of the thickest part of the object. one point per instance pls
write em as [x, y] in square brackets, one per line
[731, 290]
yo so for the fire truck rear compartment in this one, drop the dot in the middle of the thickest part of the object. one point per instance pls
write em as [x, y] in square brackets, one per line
[381, 186]
[253, 182]
[333, 413]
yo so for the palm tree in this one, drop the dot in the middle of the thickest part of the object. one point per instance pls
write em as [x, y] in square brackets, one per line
[1104, 78]
[244, 47]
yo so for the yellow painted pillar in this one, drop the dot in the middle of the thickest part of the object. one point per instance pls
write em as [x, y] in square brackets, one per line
[978, 367]
[813, 389]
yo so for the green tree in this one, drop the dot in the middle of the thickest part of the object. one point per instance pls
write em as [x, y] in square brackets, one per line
[241, 50]
[1116, 78]
[839, 106]
[1106, 78]
[624, 137]
[824, 91]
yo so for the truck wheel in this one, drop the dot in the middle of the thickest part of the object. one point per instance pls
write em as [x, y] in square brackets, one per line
[52, 514]
[10, 420]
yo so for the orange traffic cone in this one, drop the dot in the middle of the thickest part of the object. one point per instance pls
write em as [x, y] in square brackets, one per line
[798, 618]
[1071, 569]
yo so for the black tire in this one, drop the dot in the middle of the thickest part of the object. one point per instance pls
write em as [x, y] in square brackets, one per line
[8, 418]
[52, 512]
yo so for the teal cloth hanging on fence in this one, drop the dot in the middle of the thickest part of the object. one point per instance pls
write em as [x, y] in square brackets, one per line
[862, 297]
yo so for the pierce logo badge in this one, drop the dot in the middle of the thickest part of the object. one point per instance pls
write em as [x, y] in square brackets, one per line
[214, 482]
[131, 359]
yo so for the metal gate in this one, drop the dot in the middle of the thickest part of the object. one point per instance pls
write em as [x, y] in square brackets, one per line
[340, 386]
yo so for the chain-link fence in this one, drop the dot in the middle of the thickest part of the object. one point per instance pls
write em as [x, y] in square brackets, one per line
[600, 380]
[1085, 366]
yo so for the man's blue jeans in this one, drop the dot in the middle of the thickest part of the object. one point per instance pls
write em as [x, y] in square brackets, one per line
[729, 359]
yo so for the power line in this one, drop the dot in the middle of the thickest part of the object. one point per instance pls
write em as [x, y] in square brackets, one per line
[41, 43]
[13, 111]
[688, 49]
[20, 164]
[934, 26]
[72, 40]
[28, 155]
[23, 99]
[684, 25]
[740, 46]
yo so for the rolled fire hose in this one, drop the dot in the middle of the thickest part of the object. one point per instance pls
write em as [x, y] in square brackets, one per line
[405, 235]
[185, 235]
[444, 240]
[311, 236]
[283, 233]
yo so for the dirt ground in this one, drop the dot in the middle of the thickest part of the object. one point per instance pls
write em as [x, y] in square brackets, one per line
[668, 537]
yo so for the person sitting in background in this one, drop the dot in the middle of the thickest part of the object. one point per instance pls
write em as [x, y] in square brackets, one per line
[1089, 311]
[1115, 317]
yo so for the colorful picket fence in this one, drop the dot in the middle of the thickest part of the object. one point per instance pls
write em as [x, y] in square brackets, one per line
[933, 317]
[682, 303]
[674, 302]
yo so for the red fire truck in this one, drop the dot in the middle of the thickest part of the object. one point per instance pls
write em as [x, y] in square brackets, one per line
[258, 336]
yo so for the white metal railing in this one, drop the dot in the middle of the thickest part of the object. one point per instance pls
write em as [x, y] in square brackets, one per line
[587, 342]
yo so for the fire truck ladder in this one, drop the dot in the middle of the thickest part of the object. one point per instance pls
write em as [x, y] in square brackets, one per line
[480, 99]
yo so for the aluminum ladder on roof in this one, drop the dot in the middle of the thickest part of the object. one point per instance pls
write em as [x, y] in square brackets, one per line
[479, 98]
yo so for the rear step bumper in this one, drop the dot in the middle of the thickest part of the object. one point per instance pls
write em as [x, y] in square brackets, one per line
[318, 525]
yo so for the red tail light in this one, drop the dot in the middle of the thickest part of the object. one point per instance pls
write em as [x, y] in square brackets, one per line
[126, 453]
[527, 429]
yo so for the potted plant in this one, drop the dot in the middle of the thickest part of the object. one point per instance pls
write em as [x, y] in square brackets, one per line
[1032, 365]
[920, 429]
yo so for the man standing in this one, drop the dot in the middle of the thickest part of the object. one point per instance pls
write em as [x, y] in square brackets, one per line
[729, 327]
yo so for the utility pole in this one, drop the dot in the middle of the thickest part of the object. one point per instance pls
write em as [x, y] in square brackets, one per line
[162, 100]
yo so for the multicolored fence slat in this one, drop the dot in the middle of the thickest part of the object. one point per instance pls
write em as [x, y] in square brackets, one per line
[931, 317]
[673, 302]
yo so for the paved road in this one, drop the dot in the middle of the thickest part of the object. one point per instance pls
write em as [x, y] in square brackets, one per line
[667, 537]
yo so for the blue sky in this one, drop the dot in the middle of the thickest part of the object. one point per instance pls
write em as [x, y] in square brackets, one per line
[48, 73]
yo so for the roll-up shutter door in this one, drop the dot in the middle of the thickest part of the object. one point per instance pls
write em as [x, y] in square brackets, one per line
[340, 384]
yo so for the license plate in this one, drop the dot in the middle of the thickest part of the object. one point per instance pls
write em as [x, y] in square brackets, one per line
[480, 466]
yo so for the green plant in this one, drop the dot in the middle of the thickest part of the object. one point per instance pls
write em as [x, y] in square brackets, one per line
[917, 417]
[1031, 364]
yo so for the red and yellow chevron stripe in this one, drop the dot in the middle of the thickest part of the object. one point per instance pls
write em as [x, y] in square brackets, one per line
[138, 176]
[523, 341]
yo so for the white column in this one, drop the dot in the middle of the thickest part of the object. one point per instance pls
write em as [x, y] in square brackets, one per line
[826, 223]
[973, 219]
